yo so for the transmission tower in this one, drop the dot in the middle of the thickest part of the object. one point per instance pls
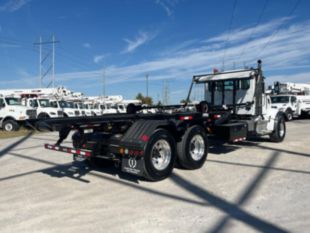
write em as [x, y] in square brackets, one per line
[165, 93]
[47, 61]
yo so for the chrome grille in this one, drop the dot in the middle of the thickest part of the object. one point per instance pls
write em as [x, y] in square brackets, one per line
[31, 113]
[60, 113]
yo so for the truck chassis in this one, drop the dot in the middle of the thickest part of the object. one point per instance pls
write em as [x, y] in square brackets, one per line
[145, 145]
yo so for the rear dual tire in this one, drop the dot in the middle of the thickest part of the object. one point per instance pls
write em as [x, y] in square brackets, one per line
[193, 148]
[159, 156]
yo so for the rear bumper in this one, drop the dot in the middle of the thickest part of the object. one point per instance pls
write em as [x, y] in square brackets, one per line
[69, 150]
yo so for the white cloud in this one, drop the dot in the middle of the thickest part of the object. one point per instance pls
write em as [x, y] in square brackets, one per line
[87, 45]
[242, 34]
[13, 5]
[99, 58]
[167, 5]
[141, 39]
[289, 50]
[303, 77]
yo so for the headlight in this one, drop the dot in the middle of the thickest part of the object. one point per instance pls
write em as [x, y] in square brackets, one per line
[53, 113]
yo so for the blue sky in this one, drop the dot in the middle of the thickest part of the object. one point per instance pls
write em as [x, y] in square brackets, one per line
[170, 40]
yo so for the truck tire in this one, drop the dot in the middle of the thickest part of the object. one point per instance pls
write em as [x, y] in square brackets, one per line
[192, 150]
[279, 132]
[159, 156]
[289, 114]
[10, 125]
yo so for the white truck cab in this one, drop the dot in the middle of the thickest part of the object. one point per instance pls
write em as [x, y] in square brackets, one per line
[88, 110]
[238, 105]
[97, 110]
[13, 114]
[80, 107]
[291, 105]
[44, 108]
[286, 104]
[67, 107]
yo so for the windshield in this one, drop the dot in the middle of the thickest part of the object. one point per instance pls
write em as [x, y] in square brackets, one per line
[54, 104]
[33, 103]
[44, 103]
[63, 104]
[13, 101]
[81, 106]
[280, 99]
[70, 105]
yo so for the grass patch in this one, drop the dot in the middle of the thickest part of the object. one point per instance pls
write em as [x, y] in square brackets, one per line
[20, 132]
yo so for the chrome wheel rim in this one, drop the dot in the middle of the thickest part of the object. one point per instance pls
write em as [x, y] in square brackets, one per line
[8, 127]
[197, 147]
[161, 155]
[281, 129]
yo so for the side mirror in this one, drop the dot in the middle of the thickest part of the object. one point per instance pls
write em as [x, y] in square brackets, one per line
[2, 105]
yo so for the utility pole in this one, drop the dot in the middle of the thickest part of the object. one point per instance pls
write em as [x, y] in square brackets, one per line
[103, 82]
[40, 59]
[147, 84]
[165, 93]
[47, 58]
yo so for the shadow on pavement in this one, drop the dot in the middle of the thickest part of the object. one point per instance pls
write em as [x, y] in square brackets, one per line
[68, 170]
[253, 144]
[217, 146]
[13, 145]
[258, 166]
[233, 210]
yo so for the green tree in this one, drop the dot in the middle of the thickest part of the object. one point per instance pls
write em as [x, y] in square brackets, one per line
[144, 99]
[183, 101]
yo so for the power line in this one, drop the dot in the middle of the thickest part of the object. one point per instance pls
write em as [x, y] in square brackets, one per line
[271, 37]
[255, 27]
[229, 32]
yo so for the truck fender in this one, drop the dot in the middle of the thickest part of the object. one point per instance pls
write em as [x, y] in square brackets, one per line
[141, 130]
[7, 118]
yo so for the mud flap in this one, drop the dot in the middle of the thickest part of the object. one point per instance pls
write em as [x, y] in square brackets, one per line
[133, 165]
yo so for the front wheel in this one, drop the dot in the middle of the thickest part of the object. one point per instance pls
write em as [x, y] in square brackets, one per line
[193, 148]
[289, 115]
[159, 156]
[279, 131]
[10, 125]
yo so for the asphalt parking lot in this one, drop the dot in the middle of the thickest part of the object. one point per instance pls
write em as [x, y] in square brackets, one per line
[254, 186]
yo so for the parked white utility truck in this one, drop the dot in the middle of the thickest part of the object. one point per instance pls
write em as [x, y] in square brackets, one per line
[67, 108]
[291, 105]
[291, 88]
[43, 107]
[237, 104]
[13, 114]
